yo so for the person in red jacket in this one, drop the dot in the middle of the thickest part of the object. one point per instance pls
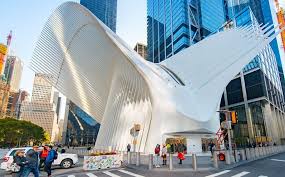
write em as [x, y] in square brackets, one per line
[156, 157]
[43, 155]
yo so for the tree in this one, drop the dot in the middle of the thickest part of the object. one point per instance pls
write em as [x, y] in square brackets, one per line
[15, 132]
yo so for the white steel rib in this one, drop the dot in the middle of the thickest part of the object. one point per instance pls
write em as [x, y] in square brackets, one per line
[99, 72]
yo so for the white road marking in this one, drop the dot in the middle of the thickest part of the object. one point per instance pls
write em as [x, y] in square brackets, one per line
[70, 176]
[130, 173]
[241, 174]
[91, 175]
[218, 174]
[110, 174]
[262, 176]
[278, 160]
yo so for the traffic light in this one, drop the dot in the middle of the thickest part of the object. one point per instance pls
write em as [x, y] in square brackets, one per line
[234, 117]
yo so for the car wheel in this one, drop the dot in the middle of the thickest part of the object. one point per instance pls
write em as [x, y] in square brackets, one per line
[66, 163]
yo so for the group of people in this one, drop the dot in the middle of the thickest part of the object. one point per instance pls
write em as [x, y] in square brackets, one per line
[32, 161]
[180, 148]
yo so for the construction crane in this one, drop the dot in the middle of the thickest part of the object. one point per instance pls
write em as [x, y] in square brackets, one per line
[281, 20]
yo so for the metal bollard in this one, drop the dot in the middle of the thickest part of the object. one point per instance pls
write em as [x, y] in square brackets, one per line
[252, 153]
[260, 151]
[265, 151]
[228, 158]
[256, 152]
[242, 152]
[138, 158]
[247, 153]
[129, 158]
[170, 161]
[150, 162]
[194, 162]
[236, 156]
[215, 159]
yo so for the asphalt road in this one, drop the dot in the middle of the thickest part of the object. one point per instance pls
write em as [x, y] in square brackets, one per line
[270, 167]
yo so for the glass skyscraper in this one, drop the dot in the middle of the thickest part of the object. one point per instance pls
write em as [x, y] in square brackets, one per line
[264, 14]
[175, 25]
[256, 92]
[105, 10]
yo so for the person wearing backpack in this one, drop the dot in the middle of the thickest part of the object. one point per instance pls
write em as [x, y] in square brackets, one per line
[52, 155]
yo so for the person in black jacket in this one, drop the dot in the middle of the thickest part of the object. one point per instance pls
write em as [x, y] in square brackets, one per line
[21, 161]
[32, 157]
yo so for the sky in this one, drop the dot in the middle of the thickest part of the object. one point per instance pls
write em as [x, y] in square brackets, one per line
[26, 18]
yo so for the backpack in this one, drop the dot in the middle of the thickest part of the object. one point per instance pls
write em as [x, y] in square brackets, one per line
[55, 155]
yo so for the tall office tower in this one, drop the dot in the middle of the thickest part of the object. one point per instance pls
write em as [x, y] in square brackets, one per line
[141, 49]
[14, 103]
[265, 13]
[42, 90]
[105, 10]
[13, 72]
[42, 108]
[256, 92]
[175, 25]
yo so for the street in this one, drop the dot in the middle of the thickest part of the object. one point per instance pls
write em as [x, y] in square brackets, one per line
[268, 167]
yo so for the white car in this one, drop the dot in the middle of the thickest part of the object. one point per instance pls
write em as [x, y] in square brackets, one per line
[64, 160]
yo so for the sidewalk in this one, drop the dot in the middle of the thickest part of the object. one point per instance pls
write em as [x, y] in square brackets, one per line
[205, 163]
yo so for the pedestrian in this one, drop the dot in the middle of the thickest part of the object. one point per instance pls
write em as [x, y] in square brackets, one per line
[21, 161]
[43, 156]
[212, 148]
[32, 157]
[128, 147]
[168, 148]
[180, 156]
[52, 155]
[156, 157]
[164, 154]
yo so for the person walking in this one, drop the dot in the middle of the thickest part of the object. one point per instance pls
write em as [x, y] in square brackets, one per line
[180, 156]
[43, 156]
[156, 157]
[128, 148]
[212, 148]
[52, 155]
[164, 154]
[21, 161]
[32, 157]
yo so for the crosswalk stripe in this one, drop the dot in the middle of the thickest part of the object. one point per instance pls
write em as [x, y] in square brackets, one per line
[278, 160]
[70, 176]
[218, 174]
[91, 175]
[241, 174]
[130, 173]
[110, 174]
[262, 176]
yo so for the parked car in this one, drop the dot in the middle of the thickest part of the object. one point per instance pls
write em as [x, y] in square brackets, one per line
[64, 160]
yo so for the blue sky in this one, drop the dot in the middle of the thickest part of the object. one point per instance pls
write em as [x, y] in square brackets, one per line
[26, 19]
